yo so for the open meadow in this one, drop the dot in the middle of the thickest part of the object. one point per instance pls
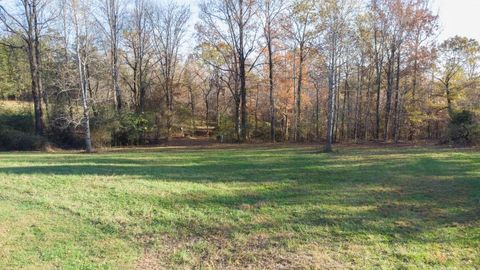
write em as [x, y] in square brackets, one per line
[237, 207]
[240, 134]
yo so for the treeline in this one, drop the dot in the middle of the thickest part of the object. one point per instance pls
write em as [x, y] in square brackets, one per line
[112, 72]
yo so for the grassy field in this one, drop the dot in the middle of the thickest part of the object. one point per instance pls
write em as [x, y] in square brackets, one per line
[267, 208]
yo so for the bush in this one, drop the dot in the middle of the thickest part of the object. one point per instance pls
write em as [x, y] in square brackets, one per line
[462, 128]
[102, 125]
[131, 129]
[16, 116]
[21, 122]
[226, 130]
[16, 128]
[101, 137]
[476, 134]
[262, 132]
[15, 140]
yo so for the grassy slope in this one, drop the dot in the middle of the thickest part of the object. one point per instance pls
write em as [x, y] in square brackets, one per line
[233, 208]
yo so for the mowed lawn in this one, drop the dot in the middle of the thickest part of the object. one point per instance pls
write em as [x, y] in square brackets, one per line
[241, 207]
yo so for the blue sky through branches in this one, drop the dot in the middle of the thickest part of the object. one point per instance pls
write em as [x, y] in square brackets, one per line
[457, 17]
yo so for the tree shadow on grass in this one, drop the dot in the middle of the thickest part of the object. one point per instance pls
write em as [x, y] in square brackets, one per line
[400, 202]
[396, 199]
[231, 167]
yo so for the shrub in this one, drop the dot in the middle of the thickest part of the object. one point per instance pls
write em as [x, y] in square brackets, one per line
[16, 128]
[226, 130]
[22, 122]
[65, 138]
[476, 134]
[262, 132]
[101, 137]
[462, 128]
[15, 140]
[17, 117]
[131, 129]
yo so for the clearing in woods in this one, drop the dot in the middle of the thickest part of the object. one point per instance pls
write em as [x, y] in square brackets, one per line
[240, 207]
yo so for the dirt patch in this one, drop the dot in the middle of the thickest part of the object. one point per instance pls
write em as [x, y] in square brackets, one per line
[256, 251]
[150, 260]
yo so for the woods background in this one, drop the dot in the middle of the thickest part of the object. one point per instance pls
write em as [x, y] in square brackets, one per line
[113, 72]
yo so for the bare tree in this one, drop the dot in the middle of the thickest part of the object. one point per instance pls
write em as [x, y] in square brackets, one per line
[138, 43]
[111, 11]
[169, 27]
[302, 31]
[335, 17]
[316, 77]
[189, 81]
[79, 10]
[27, 19]
[271, 15]
[232, 23]
[376, 19]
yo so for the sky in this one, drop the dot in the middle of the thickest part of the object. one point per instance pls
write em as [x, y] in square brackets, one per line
[458, 17]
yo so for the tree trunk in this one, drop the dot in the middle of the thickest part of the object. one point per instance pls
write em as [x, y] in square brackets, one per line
[357, 104]
[317, 112]
[33, 52]
[115, 76]
[331, 113]
[449, 99]
[378, 71]
[242, 75]
[207, 112]
[217, 107]
[237, 119]
[397, 101]
[142, 91]
[367, 112]
[243, 102]
[346, 97]
[337, 104]
[83, 87]
[298, 95]
[256, 109]
[192, 107]
[37, 101]
[331, 100]
[388, 104]
[270, 79]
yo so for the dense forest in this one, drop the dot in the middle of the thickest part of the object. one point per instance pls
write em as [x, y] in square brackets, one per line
[113, 72]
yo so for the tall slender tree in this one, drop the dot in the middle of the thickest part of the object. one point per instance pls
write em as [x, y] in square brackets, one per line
[271, 11]
[230, 26]
[169, 27]
[79, 12]
[112, 12]
[139, 49]
[302, 31]
[27, 19]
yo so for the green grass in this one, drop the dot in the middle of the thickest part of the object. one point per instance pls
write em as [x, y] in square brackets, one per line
[268, 208]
